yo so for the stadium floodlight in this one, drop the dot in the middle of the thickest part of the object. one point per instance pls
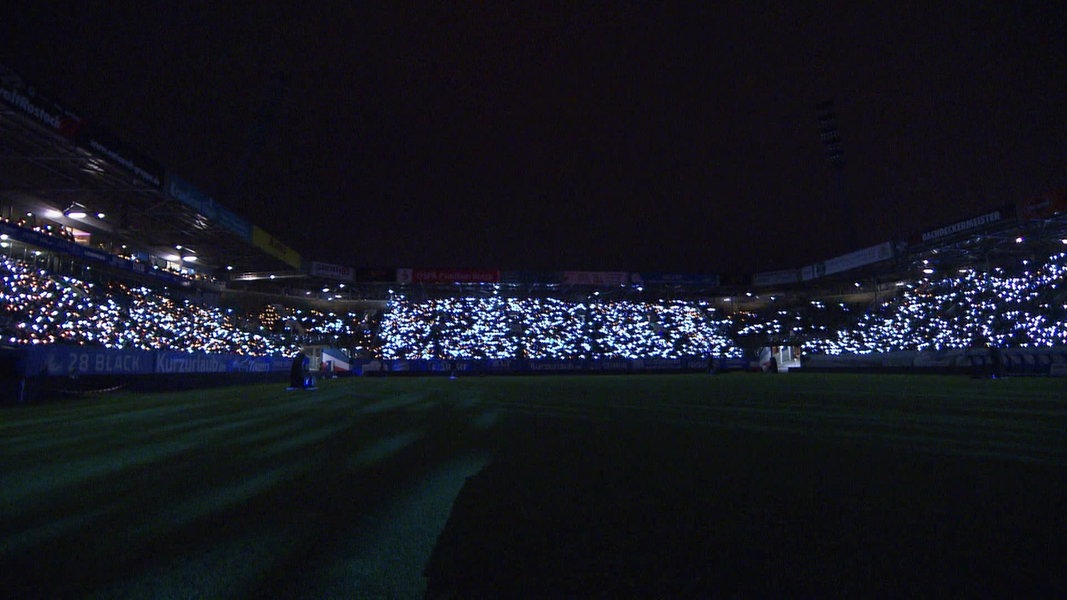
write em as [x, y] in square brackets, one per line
[75, 211]
[928, 271]
[1019, 240]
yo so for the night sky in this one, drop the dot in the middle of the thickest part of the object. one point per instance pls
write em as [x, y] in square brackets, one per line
[551, 138]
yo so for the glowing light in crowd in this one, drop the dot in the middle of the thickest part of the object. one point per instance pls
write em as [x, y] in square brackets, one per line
[1017, 305]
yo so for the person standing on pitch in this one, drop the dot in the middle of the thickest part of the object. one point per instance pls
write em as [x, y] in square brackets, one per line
[298, 374]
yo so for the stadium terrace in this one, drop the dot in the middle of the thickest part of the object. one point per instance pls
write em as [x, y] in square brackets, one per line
[1016, 306]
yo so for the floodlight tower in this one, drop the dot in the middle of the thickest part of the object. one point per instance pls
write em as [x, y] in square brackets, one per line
[835, 155]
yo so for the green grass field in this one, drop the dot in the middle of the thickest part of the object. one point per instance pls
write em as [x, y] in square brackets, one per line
[666, 485]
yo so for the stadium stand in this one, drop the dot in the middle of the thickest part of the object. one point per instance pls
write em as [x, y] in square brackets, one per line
[1012, 308]
[548, 328]
[43, 308]
[112, 266]
[1019, 305]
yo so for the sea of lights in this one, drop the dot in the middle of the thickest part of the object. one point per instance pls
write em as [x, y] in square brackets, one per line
[1020, 305]
[41, 308]
[549, 328]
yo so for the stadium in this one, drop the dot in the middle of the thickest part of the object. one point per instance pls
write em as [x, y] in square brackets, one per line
[495, 433]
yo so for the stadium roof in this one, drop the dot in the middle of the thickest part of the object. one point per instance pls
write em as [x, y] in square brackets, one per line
[44, 174]
[47, 167]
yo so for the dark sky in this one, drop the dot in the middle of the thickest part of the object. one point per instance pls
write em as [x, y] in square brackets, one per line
[558, 137]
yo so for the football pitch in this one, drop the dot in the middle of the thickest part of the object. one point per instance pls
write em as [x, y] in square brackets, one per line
[694, 485]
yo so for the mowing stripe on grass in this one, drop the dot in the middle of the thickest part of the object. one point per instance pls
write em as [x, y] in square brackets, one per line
[182, 512]
[229, 492]
[383, 448]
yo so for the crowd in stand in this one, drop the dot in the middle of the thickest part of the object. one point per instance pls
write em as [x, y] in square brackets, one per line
[42, 308]
[1024, 305]
[353, 331]
[1016, 306]
[46, 228]
[549, 328]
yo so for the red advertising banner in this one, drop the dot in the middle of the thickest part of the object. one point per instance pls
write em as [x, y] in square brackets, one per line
[25, 98]
[448, 276]
[1045, 206]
